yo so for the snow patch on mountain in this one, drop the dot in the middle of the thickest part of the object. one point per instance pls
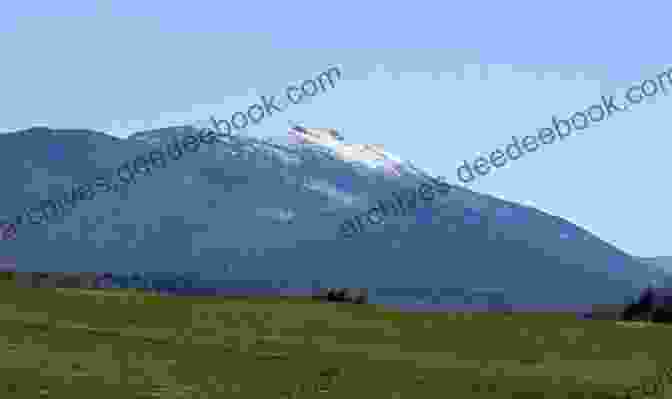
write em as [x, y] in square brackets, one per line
[324, 187]
[276, 214]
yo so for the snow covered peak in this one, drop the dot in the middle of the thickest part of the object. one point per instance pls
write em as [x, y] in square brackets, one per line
[314, 148]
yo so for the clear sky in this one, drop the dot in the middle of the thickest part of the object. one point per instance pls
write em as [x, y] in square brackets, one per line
[435, 82]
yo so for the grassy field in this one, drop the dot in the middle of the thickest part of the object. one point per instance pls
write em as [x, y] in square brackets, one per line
[58, 343]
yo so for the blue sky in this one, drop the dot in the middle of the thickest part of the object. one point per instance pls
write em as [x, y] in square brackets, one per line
[436, 84]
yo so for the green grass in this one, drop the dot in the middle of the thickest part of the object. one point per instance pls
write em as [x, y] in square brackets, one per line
[71, 344]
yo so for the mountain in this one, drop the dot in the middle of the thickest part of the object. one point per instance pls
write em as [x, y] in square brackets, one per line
[265, 214]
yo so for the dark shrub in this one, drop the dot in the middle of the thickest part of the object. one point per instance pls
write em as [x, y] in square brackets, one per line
[356, 295]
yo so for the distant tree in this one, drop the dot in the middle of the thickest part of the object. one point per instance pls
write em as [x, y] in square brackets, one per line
[662, 306]
[642, 307]
[654, 304]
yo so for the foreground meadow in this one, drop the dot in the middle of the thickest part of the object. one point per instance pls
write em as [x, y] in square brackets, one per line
[59, 343]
